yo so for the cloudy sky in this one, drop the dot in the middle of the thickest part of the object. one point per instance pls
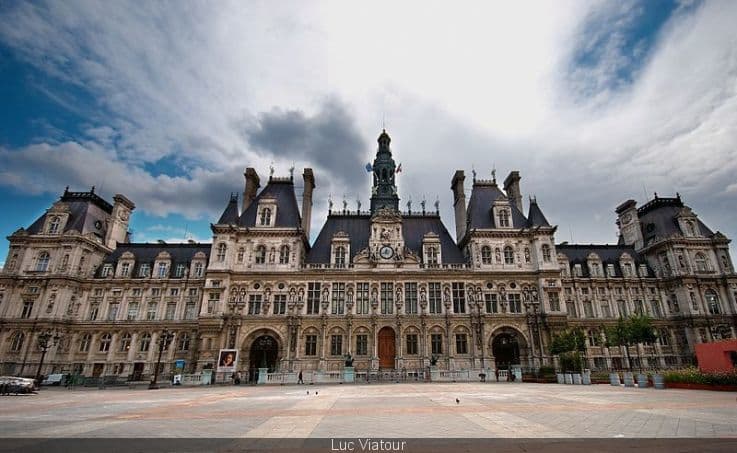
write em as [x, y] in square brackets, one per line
[168, 102]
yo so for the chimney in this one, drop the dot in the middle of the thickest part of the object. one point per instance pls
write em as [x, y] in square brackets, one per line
[252, 185]
[120, 217]
[511, 187]
[309, 180]
[459, 203]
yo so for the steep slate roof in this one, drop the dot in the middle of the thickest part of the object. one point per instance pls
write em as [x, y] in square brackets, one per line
[482, 197]
[658, 217]
[535, 216]
[85, 209]
[287, 211]
[358, 228]
[230, 215]
[147, 253]
[609, 254]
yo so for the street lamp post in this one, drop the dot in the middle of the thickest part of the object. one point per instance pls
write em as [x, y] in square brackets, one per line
[45, 341]
[164, 341]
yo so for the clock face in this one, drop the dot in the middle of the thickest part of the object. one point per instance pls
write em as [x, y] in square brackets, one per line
[386, 252]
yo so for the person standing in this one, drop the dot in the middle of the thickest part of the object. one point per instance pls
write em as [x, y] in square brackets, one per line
[299, 378]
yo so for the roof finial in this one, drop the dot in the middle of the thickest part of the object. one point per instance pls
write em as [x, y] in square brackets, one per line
[345, 204]
[422, 203]
[358, 204]
[409, 205]
[437, 204]
[493, 174]
[473, 171]
[330, 203]
[271, 170]
[92, 190]
[291, 171]
[656, 195]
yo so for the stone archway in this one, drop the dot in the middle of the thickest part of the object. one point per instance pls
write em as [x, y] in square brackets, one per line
[508, 347]
[262, 348]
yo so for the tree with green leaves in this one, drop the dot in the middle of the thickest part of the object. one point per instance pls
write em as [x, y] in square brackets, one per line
[631, 331]
[619, 335]
[567, 344]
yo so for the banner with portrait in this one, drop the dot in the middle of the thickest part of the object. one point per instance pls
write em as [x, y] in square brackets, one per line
[227, 360]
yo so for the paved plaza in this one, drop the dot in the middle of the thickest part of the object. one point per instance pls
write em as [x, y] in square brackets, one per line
[385, 410]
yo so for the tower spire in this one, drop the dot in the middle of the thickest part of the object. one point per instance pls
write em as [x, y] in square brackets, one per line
[384, 190]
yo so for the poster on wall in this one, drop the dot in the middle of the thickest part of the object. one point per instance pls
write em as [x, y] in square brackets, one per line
[227, 360]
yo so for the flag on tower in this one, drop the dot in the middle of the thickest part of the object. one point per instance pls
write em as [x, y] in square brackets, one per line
[399, 169]
[369, 168]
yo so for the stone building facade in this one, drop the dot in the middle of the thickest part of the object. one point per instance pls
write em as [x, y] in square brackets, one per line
[390, 287]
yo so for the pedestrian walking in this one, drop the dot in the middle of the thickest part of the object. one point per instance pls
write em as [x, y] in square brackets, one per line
[299, 378]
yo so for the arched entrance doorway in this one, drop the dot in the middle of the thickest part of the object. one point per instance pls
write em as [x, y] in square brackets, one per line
[506, 349]
[264, 353]
[387, 347]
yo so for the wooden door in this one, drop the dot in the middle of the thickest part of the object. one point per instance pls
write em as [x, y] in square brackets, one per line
[387, 344]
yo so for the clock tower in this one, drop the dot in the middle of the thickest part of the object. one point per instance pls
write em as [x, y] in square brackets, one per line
[384, 191]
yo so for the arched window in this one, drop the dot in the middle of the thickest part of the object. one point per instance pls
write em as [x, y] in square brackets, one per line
[241, 253]
[546, 253]
[54, 225]
[84, 342]
[691, 228]
[486, 254]
[145, 342]
[42, 264]
[712, 301]
[701, 262]
[508, 255]
[221, 252]
[183, 344]
[266, 216]
[105, 341]
[261, 254]
[340, 256]
[125, 342]
[503, 218]
[284, 254]
[17, 343]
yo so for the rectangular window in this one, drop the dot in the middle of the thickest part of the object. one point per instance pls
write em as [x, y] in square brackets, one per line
[434, 297]
[171, 310]
[410, 298]
[588, 309]
[132, 311]
[606, 311]
[280, 304]
[664, 337]
[461, 343]
[362, 298]
[125, 269]
[311, 345]
[338, 298]
[179, 273]
[174, 292]
[387, 298]
[192, 292]
[190, 311]
[112, 312]
[27, 309]
[491, 303]
[436, 343]
[136, 292]
[336, 345]
[571, 309]
[144, 270]
[213, 302]
[622, 305]
[459, 297]
[107, 269]
[412, 344]
[155, 292]
[254, 304]
[554, 299]
[639, 307]
[313, 298]
[515, 302]
[94, 310]
[361, 344]
[163, 268]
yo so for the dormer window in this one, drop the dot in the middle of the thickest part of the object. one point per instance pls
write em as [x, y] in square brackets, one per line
[610, 270]
[163, 270]
[577, 270]
[125, 269]
[486, 254]
[260, 254]
[702, 263]
[504, 218]
[107, 269]
[265, 218]
[198, 270]
[179, 273]
[595, 269]
[432, 255]
[54, 225]
[145, 270]
[339, 257]
[643, 270]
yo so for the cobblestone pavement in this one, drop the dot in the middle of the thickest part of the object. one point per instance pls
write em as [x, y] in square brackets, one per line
[386, 410]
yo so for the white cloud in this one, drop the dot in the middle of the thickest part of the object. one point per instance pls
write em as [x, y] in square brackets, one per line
[479, 85]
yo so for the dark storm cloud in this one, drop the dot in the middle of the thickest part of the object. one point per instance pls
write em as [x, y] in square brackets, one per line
[329, 140]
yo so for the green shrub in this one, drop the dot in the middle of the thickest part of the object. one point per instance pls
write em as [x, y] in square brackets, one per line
[546, 371]
[570, 362]
[694, 376]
